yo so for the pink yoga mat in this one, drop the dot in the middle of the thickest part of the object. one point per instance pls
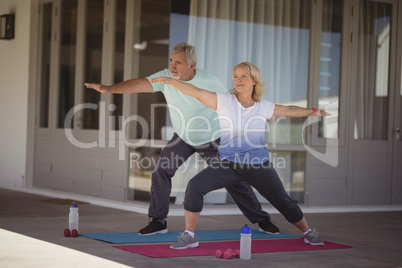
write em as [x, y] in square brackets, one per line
[209, 248]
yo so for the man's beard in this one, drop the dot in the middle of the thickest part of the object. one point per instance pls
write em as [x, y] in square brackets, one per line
[176, 76]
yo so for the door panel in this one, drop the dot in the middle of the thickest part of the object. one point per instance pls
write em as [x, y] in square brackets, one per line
[370, 179]
[397, 135]
[71, 53]
[397, 174]
[370, 172]
[397, 156]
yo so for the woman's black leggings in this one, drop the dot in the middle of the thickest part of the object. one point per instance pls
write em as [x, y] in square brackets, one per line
[224, 173]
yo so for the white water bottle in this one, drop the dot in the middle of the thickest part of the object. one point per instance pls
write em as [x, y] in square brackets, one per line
[73, 217]
[245, 243]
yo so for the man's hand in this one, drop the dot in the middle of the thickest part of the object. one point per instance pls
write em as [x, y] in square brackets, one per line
[98, 87]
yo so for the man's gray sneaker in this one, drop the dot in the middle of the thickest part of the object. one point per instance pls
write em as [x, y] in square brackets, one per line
[312, 238]
[185, 241]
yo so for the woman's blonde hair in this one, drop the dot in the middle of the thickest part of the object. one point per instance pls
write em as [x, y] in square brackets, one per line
[255, 74]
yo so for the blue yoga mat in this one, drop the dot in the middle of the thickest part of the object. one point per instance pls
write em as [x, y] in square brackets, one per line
[202, 235]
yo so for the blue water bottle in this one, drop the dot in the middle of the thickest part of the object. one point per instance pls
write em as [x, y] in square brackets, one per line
[245, 243]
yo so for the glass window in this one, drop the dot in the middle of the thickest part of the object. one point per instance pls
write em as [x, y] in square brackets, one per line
[329, 67]
[119, 60]
[274, 35]
[142, 162]
[93, 61]
[151, 55]
[372, 76]
[290, 167]
[68, 48]
[45, 67]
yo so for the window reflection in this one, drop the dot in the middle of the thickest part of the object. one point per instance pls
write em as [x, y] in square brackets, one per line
[330, 67]
[142, 162]
[67, 60]
[372, 80]
[45, 68]
[151, 54]
[290, 167]
[274, 35]
[93, 61]
[118, 77]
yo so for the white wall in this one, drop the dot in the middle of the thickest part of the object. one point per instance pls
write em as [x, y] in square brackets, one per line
[14, 74]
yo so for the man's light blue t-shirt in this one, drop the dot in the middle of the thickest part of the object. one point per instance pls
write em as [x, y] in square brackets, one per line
[192, 121]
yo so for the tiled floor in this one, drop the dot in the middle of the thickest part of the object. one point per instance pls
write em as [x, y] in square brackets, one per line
[31, 235]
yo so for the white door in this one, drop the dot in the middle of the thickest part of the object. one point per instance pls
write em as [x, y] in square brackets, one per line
[76, 45]
[372, 112]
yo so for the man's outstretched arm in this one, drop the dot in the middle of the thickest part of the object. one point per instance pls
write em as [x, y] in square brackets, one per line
[135, 85]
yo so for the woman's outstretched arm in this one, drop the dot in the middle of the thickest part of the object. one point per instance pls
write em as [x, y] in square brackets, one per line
[296, 111]
[206, 97]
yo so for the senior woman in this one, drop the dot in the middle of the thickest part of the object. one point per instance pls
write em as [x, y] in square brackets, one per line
[243, 155]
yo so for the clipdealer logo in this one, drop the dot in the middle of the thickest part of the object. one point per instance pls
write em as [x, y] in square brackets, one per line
[330, 156]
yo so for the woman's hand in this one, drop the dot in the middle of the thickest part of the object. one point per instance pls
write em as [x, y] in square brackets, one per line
[322, 113]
